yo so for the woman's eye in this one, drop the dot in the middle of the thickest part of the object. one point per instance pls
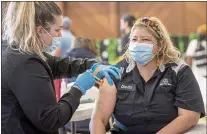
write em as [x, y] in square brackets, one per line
[58, 30]
[146, 39]
[134, 39]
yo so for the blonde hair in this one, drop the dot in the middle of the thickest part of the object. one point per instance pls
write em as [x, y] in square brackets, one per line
[168, 52]
[20, 22]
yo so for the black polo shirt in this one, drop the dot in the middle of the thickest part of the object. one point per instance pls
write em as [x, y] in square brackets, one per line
[146, 107]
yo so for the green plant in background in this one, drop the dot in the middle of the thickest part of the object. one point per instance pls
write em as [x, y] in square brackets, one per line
[98, 46]
[193, 36]
[180, 44]
[112, 50]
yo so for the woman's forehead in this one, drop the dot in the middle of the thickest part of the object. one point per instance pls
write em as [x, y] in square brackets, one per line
[141, 32]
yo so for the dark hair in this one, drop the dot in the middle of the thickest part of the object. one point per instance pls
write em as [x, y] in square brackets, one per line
[45, 12]
[130, 19]
[86, 43]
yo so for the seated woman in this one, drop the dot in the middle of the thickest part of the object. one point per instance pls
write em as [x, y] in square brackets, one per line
[157, 93]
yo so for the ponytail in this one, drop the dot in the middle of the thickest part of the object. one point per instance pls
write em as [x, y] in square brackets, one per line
[19, 25]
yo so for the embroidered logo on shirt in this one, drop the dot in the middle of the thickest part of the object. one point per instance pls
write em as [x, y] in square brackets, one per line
[165, 82]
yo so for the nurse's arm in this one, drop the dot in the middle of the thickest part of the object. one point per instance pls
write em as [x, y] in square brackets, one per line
[68, 67]
[104, 108]
[186, 119]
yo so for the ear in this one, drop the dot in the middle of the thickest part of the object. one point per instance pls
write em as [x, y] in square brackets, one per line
[39, 30]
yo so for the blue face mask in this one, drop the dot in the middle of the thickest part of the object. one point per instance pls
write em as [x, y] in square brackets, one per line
[141, 52]
[55, 44]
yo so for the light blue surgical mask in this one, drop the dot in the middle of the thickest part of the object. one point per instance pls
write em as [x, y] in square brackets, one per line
[55, 44]
[141, 52]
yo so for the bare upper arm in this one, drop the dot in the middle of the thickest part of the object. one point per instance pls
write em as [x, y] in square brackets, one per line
[105, 102]
[193, 116]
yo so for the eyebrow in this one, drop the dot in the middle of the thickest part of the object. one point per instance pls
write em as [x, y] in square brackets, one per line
[142, 36]
[146, 36]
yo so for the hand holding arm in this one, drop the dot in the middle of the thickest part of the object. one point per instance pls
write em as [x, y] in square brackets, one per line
[102, 71]
[85, 81]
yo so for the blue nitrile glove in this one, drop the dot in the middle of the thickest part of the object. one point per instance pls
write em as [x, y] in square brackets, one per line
[85, 81]
[105, 70]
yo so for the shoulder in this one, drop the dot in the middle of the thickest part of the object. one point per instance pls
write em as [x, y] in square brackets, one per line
[123, 66]
[123, 63]
[68, 35]
[193, 44]
[182, 69]
[179, 65]
[19, 59]
[14, 62]
[14, 58]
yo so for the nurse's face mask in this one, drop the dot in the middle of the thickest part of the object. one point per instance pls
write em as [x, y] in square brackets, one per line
[54, 45]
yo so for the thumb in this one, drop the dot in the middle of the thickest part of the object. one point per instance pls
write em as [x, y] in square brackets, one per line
[108, 78]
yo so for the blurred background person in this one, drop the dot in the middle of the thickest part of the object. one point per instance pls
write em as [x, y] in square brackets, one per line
[67, 36]
[126, 24]
[196, 55]
[83, 48]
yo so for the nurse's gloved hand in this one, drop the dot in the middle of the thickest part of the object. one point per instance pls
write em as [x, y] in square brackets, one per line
[102, 71]
[85, 81]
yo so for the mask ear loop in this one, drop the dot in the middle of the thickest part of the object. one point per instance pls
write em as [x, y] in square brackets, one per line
[49, 35]
[46, 47]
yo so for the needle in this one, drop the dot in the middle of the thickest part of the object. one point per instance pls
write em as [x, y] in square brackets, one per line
[98, 81]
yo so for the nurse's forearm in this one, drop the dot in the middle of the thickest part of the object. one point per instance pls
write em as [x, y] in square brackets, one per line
[68, 67]
[97, 127]
[178, 126]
